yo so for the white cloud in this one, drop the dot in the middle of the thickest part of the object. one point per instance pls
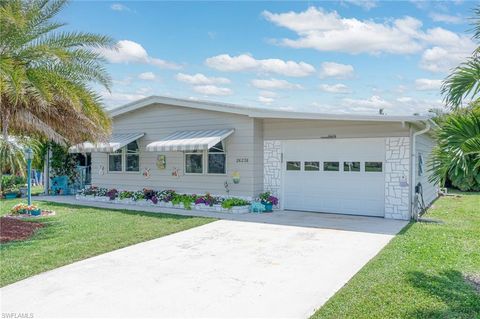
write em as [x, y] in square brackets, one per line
[119, 7]
[200, 79]
[265, 99]
[328, 31]
[428, 84]
[374, 103]
[365, 4]
[268, 94]
[338, 88]
[444, 59]
[144, 90]
[119, 98]
[131, 52]
[336, 70]
[246, 62]
[446, 18]
[274, 84]
[404, 105]
[212, 90]
[147, 76]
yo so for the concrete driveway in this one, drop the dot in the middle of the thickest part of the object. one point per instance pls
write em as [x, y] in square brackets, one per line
[225, 269]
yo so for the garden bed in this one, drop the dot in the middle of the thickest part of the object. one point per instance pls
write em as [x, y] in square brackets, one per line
[146, 202]
[15, 229]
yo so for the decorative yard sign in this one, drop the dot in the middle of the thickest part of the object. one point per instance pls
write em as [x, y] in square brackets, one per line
[161, 162]
[242, 160]
[146, 173]
[236, 177]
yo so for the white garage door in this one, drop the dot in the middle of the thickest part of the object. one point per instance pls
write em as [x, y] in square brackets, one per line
[342, 176]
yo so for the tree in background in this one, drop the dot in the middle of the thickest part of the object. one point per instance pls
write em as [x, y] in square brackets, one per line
[46, 75]
[456, 157]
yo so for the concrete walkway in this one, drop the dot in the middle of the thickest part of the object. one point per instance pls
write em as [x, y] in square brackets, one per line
[259, 267]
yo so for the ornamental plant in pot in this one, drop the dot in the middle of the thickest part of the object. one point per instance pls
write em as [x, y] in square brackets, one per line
[268, 200]
[11, 192]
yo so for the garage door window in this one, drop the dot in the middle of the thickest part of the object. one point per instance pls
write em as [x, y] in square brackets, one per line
[351, 166]
[312, 166]
[373, 166]
[293, 166]
[331, 166]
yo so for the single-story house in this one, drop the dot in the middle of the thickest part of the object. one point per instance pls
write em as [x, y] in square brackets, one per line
[346, 164]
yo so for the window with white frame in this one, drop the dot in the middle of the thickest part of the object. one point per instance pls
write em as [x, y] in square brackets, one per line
[214, 159]
[115, 161]
[194, 162]
[125, 159]
[132, 157]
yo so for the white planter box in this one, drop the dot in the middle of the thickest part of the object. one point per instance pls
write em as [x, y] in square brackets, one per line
[143, 202]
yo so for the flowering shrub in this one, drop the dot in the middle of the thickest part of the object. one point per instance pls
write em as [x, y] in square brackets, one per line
[93, 190]
[148, 193]
[112, 194]
[207, 199]
[138, 195]
[166, 195]
[268, 198]
[125, 194]
[23, 209]
[170, 196]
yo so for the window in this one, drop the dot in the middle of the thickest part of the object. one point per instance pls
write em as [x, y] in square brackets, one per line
[216, 159]
[115, 161]
[312, 166]
[132, 157]
[194, 163]
[331, 166]
[351, 166]
[373, 166]
[293, 166]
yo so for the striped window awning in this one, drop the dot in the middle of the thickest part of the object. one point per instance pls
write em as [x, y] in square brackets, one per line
[116, 142]
[189, 140]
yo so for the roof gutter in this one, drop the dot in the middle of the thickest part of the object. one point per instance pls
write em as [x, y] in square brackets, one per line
[413, 162]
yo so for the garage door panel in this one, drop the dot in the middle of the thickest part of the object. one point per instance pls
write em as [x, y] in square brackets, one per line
[359, 193]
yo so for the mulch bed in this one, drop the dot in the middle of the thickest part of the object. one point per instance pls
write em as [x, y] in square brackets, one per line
[15, 229]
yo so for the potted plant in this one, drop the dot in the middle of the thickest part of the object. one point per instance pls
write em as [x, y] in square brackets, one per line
[11, 192]
[268, 200]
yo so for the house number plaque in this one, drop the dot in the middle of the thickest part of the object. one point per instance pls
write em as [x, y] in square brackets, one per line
[242, 160]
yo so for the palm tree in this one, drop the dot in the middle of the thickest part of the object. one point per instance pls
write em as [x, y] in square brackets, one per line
[464, 82]
[47, 76]
[457, 154]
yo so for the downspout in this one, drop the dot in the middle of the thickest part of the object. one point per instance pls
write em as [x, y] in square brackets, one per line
[413, 166]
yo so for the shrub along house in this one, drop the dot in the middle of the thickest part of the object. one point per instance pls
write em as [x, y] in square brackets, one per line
[346, 164]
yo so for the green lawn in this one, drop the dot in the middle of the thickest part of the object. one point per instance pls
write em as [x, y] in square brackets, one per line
[420, 273]
[77, 232]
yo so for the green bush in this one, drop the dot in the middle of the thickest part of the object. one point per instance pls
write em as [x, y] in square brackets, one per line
[13, 181]
[233, 201]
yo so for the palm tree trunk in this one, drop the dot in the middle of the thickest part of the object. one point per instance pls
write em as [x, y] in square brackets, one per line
[5, 120]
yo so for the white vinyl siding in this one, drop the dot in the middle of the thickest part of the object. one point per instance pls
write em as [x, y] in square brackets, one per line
[424, 145]
[281, 129]
[158, 121]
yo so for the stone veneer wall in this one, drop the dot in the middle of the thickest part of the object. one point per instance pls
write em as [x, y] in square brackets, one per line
[272, 166]
[397, 177]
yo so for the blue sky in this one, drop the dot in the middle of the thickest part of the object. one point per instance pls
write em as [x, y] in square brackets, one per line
[336, 57]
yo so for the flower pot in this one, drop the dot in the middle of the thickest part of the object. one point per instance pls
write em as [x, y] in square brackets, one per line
[10, 195]
[268, 207]
[36, 212]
